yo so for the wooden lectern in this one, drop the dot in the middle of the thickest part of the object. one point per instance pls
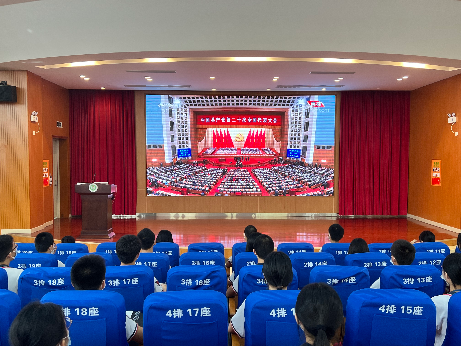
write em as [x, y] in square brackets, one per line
[96, 209]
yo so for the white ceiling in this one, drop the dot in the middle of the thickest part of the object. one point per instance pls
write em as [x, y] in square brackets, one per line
[46, 32]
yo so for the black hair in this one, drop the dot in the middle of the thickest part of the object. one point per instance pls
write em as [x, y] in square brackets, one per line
[251, 241]
[6, 246]
[68, 239]
[452, 266]
[38, 324]
[277, 270]
[427, 237]
[128, 247]
[164, 236]
[88, 272]
[249, 229]
[459, 241]
[147, 238]
[43, 241]
[263, 246]
[336, 232]
[319, 312]
[403, 252]
[358, 245]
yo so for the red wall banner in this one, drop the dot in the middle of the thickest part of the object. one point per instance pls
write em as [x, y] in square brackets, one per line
[239, 119]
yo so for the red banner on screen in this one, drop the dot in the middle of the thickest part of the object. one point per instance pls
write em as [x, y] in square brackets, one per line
[239, 119]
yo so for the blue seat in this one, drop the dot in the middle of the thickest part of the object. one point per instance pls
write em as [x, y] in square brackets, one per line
[63, 250]
[457, 250]
[26, 248]
[158, 262]
[390, 317]
[344, 280]
[435, 246]
[304, 262]
[384, 248]
[202, 258]
[453, 334]
[98, 317]
[195, 318]
[251, 279]
[134, 283]
[432, 258]
[206, 247]
[3, 279]
[186, 277]
[375, 262]
[72, 258]
[425, 278]
[109, 247]
[9, 306]
[34, 260]
[236, 249]
[338, 250]
[292, 248]
[269, 319]
[170, 249]
[243, 259]
[34, 283]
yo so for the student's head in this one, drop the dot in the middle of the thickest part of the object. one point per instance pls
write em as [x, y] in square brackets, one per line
[251, 241]
[68, 239]
[459, 241]
[128, 248]
[336, 232]
[88, 273]
[452, 269]
[44, 242]
[39, 324]
[277, 270]
[358, 245]
[319, 313]
[147, 238]
[263, 246]
[7, 248]
[164, 236]
[402, 252]
[248, 230]
[427, 237]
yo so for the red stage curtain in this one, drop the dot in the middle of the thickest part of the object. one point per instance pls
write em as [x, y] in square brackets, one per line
[374, 153]
[102, 143]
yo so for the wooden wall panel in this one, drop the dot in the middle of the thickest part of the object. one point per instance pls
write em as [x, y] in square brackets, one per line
[431, 138]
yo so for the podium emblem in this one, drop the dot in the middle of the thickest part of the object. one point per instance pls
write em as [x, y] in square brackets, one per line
[93, 187]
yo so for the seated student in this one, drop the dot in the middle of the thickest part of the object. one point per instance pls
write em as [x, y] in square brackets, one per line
[319, 313]
[164, 236]
[263, 246]
[68, 239]
[278, 273]
[335, 233]
[39, 324]
[249, 248]
[358, 245]
[7, 254]
[44, 243]
[89, 273]
[458, 242]
[402, 253]
[425, 237]
[147, 238]
[451, 273]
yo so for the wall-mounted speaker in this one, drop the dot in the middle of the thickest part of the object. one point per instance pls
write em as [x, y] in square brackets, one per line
[8, 93]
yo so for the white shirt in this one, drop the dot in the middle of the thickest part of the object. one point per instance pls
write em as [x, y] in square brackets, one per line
[238, 321]
[235, 284]
[376, 284]
[441, 306]
[131, 328]
[13, 276]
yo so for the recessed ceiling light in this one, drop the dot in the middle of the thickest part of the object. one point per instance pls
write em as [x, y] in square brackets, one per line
[250, 58]
[276, 77]
[340, 78]
[102, 88]
[86, 78]
[149, 79]
[82, 76]
[212, 78]
[405, 77]
[399, 79]
[268, 89]
[213, 89]
[275, 80]
[336, 80]
[323, 89]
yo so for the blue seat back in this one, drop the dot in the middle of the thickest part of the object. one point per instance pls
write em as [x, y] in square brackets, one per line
[435, 246]
[375, 262]
[170, 249]
[26, 248]
[3, 279]
[390, 317]
[344, 280]
[457, 250]
[425, 278]
[190, 277]
[244, 259]
[34, 260]
[109, 248]
[236, 249]
[9, 306]
[206, 247]
[158, 262]
[292, 248]
[384, 248]
[34, 283]
[304, 262]
[432, 258]
[63, 250]
[338, 250]
[202, 258]
[269, 319]
[98, 317]
[72, 258]
[185, 318]
[453, 334]
[134, 283]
